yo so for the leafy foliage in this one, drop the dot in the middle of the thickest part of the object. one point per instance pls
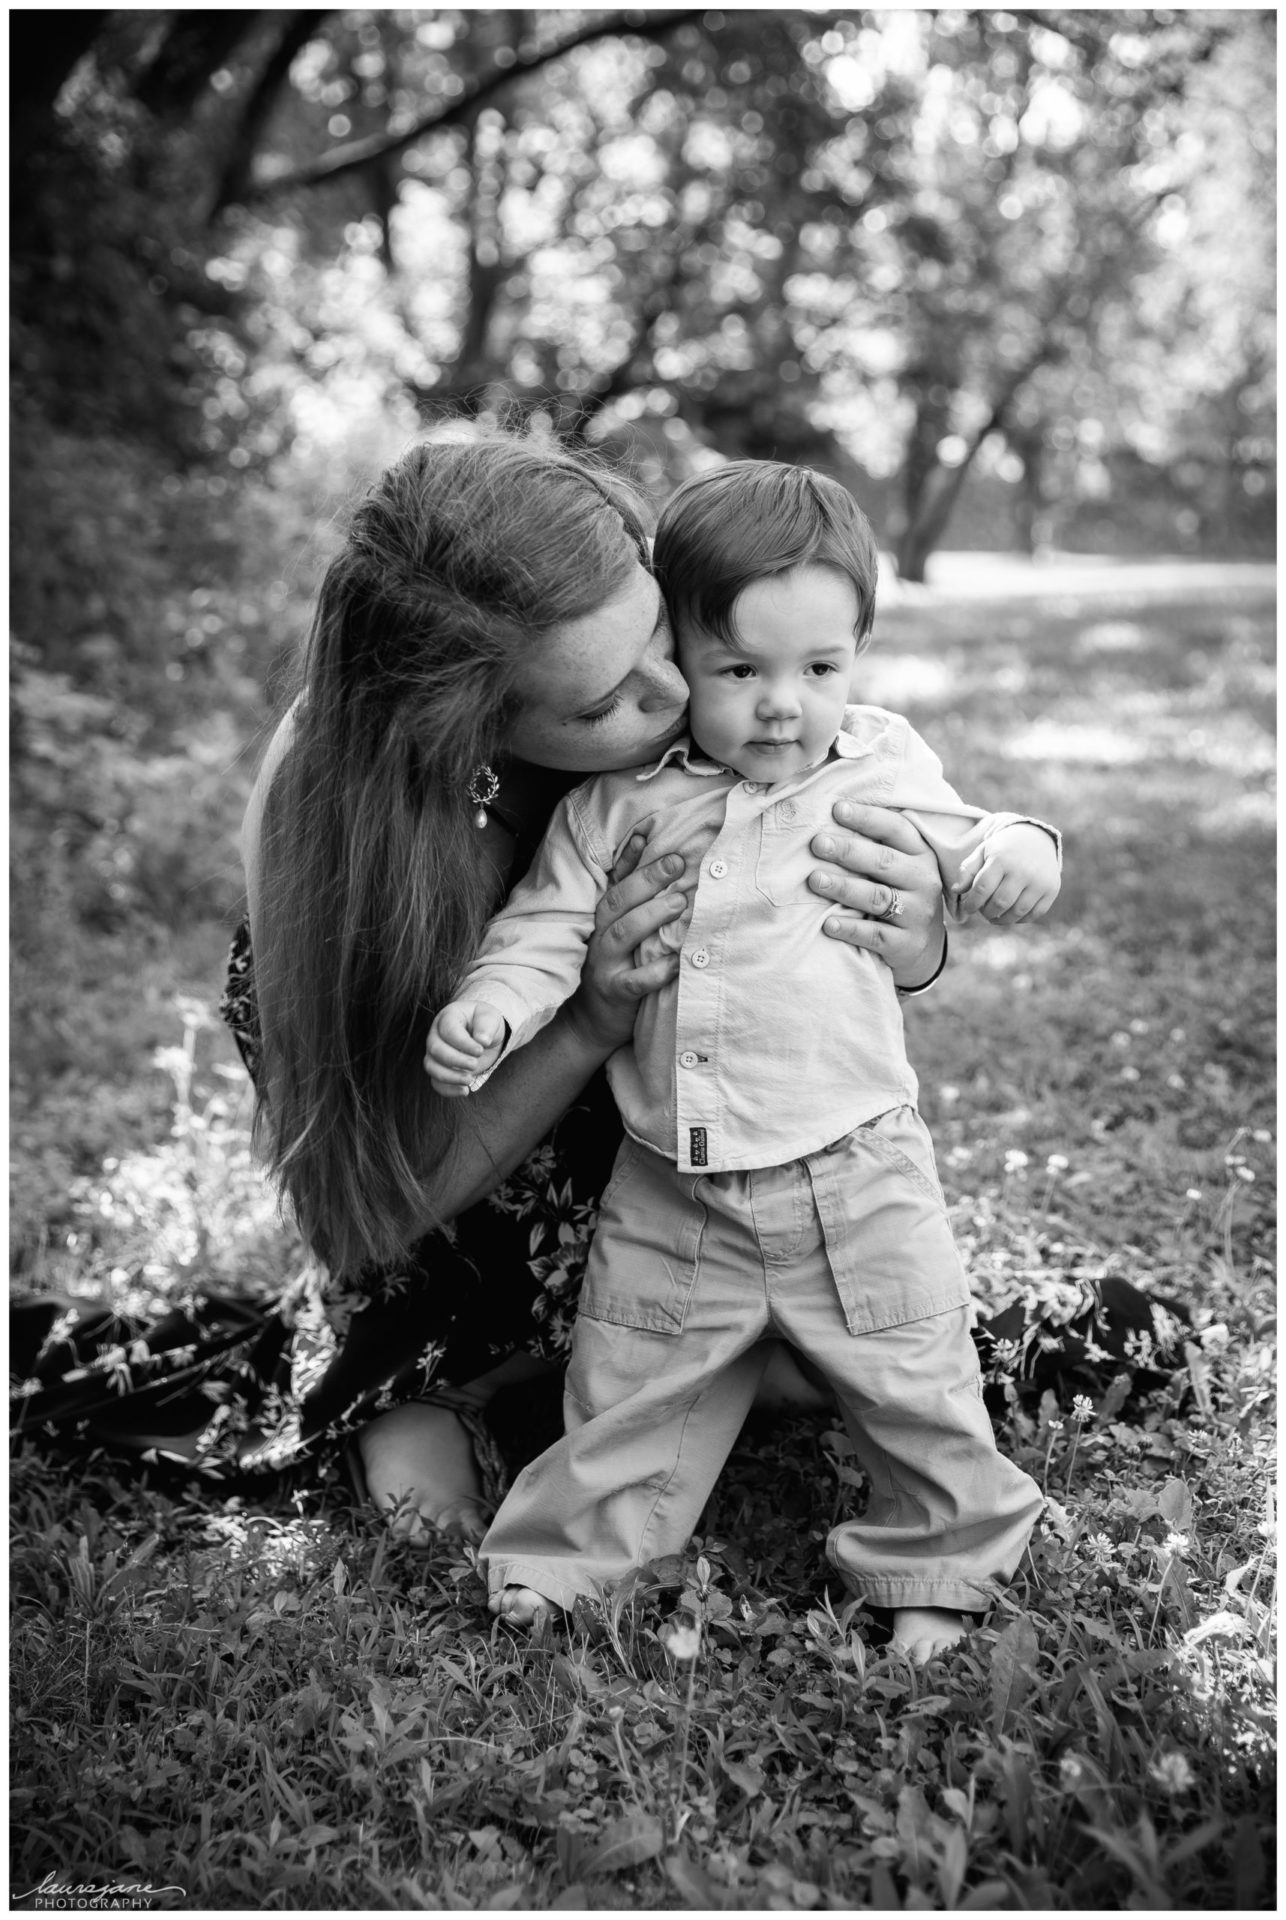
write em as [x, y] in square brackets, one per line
[920, 247]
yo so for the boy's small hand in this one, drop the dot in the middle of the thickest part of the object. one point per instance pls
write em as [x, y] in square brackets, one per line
[465, 1041]
[1012, 877]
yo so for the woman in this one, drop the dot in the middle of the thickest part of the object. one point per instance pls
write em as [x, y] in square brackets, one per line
[490, 633]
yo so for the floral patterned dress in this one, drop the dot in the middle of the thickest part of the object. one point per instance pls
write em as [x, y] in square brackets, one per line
[235, 1393]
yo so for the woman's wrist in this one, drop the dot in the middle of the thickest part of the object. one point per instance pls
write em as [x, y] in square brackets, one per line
[582, 1017]
[908, 987]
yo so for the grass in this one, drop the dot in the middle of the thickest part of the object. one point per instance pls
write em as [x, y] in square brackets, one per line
[280, 1708]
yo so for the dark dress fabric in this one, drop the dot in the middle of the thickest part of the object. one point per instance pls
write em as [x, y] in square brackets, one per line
[231, 1392]
[235, 1392]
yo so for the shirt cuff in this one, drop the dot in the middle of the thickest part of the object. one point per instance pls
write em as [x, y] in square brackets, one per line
[1029, 820]
[909, 993]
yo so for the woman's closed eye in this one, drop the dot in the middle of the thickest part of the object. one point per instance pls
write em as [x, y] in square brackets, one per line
[604, 713]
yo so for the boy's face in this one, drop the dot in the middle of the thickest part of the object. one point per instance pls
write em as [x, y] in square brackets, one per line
[773, 705]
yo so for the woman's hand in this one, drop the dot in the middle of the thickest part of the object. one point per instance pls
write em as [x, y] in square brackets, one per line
[877, 859]
[640, 900]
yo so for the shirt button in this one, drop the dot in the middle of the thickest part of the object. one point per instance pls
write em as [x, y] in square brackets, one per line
[751, 786]
[701, 958]
[689, 1059]
[718, 868]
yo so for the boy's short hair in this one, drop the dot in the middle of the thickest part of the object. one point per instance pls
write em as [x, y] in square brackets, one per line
[748, 520]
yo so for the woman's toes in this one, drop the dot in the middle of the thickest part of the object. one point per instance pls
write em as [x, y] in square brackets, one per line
[466, 1520]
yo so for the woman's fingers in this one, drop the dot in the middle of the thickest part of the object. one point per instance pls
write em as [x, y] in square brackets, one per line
[857, 880]
[640, 981]
[646, 899]
[890, 942]
[875, 852]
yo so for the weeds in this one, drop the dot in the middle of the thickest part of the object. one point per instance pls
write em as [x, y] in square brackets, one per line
[288, 1709]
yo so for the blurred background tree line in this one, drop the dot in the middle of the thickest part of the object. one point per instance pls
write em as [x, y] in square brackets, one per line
[1009, 274]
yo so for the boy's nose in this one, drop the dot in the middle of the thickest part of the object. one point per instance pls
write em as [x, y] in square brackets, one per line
[777, 703]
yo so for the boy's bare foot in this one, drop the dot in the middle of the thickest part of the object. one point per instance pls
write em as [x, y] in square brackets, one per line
[920, 1632]
[421, 1471]
[522, 1606]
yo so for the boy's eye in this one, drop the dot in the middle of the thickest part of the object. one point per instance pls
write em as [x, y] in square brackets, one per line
[823, 667]
[740, 672]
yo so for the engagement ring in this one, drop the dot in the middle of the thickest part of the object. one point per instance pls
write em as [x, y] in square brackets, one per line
[894, 907]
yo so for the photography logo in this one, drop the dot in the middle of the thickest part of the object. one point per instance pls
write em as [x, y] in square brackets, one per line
[57, 1894]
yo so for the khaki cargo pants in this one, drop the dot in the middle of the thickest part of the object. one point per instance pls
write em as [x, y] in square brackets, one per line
[848, 1256]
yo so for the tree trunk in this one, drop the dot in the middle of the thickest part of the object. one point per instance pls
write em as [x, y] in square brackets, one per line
[1029, 504]
[923, 533]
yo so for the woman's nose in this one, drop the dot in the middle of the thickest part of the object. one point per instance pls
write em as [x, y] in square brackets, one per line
[666, 685]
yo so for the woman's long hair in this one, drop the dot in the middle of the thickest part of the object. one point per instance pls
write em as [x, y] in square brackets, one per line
[373, 888]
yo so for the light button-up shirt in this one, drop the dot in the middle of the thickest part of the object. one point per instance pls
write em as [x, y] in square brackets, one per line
[773, 1040]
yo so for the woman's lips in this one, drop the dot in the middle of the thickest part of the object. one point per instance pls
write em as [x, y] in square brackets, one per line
[671, 733]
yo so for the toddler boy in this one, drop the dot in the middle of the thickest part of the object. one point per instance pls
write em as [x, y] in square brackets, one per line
[776, 1179]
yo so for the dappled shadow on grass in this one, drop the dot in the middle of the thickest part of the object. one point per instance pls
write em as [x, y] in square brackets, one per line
[280, 1708]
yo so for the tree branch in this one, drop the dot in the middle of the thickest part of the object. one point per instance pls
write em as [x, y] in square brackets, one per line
[236, 181]
[357, 154]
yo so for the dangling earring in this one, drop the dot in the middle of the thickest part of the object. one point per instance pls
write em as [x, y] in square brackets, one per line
[482, 789]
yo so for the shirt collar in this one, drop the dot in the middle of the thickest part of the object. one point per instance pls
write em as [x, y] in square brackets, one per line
[683, 754]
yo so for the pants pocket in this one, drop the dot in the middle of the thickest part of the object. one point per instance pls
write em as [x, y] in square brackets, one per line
[889, 1242]
[646, 1250]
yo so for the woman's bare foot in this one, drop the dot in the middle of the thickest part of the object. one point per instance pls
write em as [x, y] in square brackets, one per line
[522, 1606]
[421, 1471]
[920, 1632]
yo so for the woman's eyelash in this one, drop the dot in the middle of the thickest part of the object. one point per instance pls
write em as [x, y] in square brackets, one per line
[596, 719]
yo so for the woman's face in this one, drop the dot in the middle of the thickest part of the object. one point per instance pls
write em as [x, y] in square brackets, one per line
[603, 691]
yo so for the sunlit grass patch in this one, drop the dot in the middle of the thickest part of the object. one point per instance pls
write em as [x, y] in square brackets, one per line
[276, 1706]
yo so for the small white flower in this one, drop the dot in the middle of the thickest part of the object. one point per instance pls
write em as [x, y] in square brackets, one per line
[1055, 1426]
[1172, 1772]
[1192, 1193]
[681, 1643]
[1082, 1408]
[1071, 1772]
[1057, 1163]
[1244, 1173]
[1215, 1338]
[1176, 1543]
[1101, 1547]
[1015, 1160]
